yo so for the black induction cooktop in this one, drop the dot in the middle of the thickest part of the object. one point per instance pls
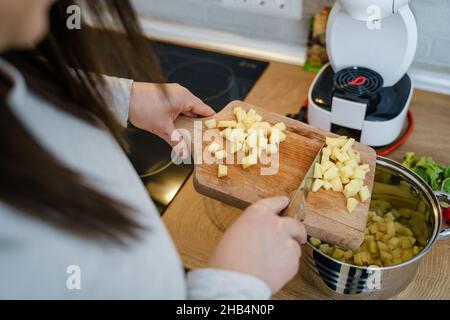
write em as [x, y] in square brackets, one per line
[215, 78]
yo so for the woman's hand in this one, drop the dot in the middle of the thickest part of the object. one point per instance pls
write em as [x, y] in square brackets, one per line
[262, 244]
[154, 108]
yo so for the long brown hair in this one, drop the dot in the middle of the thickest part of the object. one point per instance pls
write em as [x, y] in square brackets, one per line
[31, 179]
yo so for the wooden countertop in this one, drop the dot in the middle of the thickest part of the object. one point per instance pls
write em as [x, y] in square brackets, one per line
[196, 223]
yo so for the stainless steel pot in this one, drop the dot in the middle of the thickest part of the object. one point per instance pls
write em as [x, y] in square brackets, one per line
[403, 189]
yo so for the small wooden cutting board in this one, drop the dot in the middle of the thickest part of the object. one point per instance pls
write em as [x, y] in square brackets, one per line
[327, 217]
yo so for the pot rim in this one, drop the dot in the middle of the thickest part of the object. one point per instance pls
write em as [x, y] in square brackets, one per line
[427, 191]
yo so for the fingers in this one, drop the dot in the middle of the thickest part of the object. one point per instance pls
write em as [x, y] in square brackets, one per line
[272, 205]
[197, 107]
[296, 229]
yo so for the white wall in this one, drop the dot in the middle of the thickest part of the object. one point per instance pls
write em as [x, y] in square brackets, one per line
[433, 18]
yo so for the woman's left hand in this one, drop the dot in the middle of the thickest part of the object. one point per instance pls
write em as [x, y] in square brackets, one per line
[154, 108]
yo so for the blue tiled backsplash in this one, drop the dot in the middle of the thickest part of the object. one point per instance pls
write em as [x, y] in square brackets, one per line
[433, 17]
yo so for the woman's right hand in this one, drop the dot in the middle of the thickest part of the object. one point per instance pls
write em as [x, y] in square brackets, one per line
[262, 244]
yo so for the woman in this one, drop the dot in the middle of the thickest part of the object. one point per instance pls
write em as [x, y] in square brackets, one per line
[75, 220]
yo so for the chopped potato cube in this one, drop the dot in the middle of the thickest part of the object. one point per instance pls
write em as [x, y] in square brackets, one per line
[220, 154]
[364, 193]
[223, 171]
[280, 126]
[249, 161]
[348, 144]
[337, 254]
[326, 185]
[406, 243]
[314, 241]
[282, 137]
[225, 133]
[331, 173]
[416, 250]
[241, 115]
[227, 124]
[382, 246]
[390, 228]
[407, 254]
[384, 256]
[347, 171]
[317, 171]
[213, 147]
[396, 253]
[235, 110]
[348, 254]
[318, 183]
[271, 149]
[325, 248]
[351, 204]
[211, 124]
[335, 142]
[359, 174]
[336, 185]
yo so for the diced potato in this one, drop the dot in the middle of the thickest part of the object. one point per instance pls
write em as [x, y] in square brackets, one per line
[271, 149]
[211, 124]
[406, 243]
[326, 185]
[314, 241]
[223, 171]
[251, 112]
[416, 250]
[336, 185]
[282, 137]
[317, 184]
[389, 217]
[235, 110]
[326, 165]
[351, 204]
[364, 193]
[258, 118]
[326, 152]
[338, 154]
[347, 171]
[331, 173]
[373, 228]
[325, 248]
[395, 242]
[348, 144]
[275, 136]
[396, 261]
[396, 253]
[224, 132]
[384, 256]
[382, 246]
[335, 142]
[386, 238]
[213, 147]
[390, 228]
[352, 163]
[345, 180]
[317, 171]
[351, 189]
[241, 115]
[220, 154]
[407, 254]
[280, 126]
[338, 253]
[249, 161]
[372, 246]
[235, 147]
[357, 259]
[378, 235]
[359, 174]
[227, 124]
[348, 254]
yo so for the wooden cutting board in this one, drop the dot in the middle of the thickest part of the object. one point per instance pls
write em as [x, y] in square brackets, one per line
[327, 217]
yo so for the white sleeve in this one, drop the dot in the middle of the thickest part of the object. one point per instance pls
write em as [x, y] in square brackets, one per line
[215, 284]
[118, 97]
